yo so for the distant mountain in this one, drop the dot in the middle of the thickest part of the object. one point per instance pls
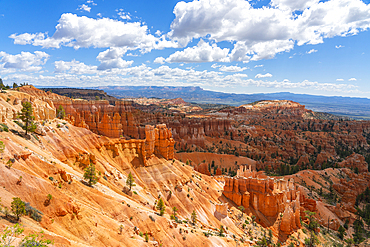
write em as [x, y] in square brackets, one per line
[358, 108]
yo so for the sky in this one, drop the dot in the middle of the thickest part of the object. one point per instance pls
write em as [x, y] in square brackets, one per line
[256, 46]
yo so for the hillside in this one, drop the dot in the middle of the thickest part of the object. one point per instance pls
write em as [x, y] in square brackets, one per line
[120, 139]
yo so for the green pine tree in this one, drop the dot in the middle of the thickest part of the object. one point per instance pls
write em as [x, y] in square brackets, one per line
[26, 115]
[130, 182]
[90, 175]
[194, 217]
[161, 207]
[18, 207]
[61, 113]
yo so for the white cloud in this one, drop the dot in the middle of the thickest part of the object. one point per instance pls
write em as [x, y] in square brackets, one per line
[203, 52]
[311, 51]
[112, 58]
[215, 65]
[263, 76]
[261, 33]
[84, 7]
[352, 79]
[81, 31]
[118, 63]
[91, 2]
[292, 5]
[158, 33]
[74, 67]
[124, 15]
[160, 60]
[339, 80]
[259, 66]
[232, 68]
[339, 46]
[25, 61]
[131, 55]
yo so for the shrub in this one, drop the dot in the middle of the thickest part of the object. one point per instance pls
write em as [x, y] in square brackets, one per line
[152, 218]
[33, 212]
[130, 182]
[4, 127]
[18, 207]
[90, 175]
[35, 240]
[194, 217]
[161, 207]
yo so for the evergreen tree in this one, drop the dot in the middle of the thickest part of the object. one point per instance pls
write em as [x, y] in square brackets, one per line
[130, 182]
[2, 86]
[18, 207]
[90, 175]
[2, 148]
[26, 115]
[221, 231]
[262, 242]
[194, 217]
[161, 207]
[241, 208]
[61, 112]
[341, 231]
[312, 225]
[174, 212]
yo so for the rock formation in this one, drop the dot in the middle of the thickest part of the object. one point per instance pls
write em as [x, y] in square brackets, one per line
[268, 196]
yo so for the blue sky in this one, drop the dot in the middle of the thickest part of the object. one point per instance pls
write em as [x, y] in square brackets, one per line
[300, 46]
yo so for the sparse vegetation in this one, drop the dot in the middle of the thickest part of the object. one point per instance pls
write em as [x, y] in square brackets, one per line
[2, 148]
[18, 207]
[130, 182]
[90, 175]
[194, 217]
[161, 207]
[61, 112]
[26, 115]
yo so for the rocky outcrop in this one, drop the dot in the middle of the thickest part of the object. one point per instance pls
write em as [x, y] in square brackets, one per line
[266, 195]
[11, 104]
[291, 216]
[202, 168]
[222, 208]
[356, 162]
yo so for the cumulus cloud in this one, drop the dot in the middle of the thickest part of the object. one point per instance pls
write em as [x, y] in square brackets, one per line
[160, 60]
[292, 5]
[339, 46]
[81, 31]
[311, 51]
[74, 67]
[84, 7]
[259, 66]
[339, 80]
[352, 79]
[261, 33]
[202, 52]
[263, 76]
[124, 15]
[25, 61]
[232, 68]
[112, 58]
